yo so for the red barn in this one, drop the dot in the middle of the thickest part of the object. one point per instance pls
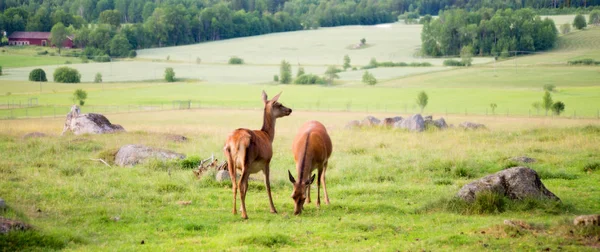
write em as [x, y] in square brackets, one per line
[35, 38]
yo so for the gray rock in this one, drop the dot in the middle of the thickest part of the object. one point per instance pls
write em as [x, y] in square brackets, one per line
[2, 204]
[7, 225]
[34, 135]
[523, 159]
[222, 176]
[428, 118]
[439, 123]
[352, 124]
[587, 220]
[413, 123]
[370, 121]
[390, 121]
[130, 155]
[472, 126]
[176, 138]
[515, 183]
[91, 124]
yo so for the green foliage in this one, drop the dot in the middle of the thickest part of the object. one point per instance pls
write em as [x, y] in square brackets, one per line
[451, 62]
[579, 22]
[169, 74]
[586, 62]
[276, 78]
[267, 240]
[558, 107]
[285, 72]
[31, 240]
[547, 101]
[132, 54]
[37, 75]
[368, 78]
[594, 18]
[300, 72]
[466, 55]
[331, 74]
[549, 87]
[591, 167]
[363, 41]
[374, 64]
[0, 70]
[439, 37]
[110, 17]
[307, 79]
[190, 162]
[119, 46]
[236, 60]
[79, 95]
[565, 28]
[346, 62]
[98, 77]
[67, 75]
[58, 35]
[422, 100]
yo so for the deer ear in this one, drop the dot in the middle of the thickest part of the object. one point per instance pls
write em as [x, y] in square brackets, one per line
[276, 97]
[291, 177]
[264, 96]
[311, 180]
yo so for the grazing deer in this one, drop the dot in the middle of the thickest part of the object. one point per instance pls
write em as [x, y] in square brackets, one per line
[250, 151]
[312, 149]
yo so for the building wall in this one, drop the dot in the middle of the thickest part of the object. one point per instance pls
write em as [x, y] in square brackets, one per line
[39, 42]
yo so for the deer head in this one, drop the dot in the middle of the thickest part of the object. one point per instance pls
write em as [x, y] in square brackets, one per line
[273, 108]
[299, 192]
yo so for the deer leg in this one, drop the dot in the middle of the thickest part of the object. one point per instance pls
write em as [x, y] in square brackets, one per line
[243, 190]
[268, 185]
[232, 175]
[322, 179]
[320, 173]
[307, 200]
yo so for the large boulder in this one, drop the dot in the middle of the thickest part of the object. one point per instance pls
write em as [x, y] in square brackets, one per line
[370, 121]
[471, 126]
[352, 124]
[390, 121]
[439, 123]
[413, 123]
[515, 183]
[130, 155]
[88, 123]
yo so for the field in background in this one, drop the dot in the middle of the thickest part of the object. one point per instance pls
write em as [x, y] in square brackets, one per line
[378, 181]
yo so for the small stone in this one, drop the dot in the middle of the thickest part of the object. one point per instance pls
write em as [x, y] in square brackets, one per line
[587, 220]
[115, 218]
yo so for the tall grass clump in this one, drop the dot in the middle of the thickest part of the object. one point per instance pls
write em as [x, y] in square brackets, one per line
[236, 61]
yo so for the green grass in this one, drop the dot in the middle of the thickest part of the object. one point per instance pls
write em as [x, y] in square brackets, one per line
[27, 56]
[376, 186]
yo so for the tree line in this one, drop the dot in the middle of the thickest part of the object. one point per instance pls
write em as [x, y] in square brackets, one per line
[487, 32]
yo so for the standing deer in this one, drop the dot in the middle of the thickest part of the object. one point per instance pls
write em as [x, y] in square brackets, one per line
[312, 149]
[250, 151]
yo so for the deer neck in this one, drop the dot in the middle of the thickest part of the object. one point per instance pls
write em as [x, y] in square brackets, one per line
[269, 124]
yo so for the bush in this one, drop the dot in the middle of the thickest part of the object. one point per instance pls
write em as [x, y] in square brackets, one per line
[98, 78]
[594, 18]
[236, 61]
[451, 62]
[300, 72]
[102, 58]
[276, 78]
[466, 55]
[190, 162]
[308, 79]
[132, 54]
[591, 167]
[80, 95]
[38, 75]
[368, 78]
[42, 52]
[0, 70]
[285, 72]
[67, 75]
[558, 107]
[169, 74]
[588, 62]
[579, 22]
[565, 28]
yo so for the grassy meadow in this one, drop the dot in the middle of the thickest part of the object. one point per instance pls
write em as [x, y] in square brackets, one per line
[388, 189]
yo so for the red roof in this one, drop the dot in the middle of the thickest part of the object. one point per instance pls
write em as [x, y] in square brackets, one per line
[29, 35]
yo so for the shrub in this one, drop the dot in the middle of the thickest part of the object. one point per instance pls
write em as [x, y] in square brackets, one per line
[368, 78]
[547, 101]
[579, 22]
[591, 167]
[558, 107]
[98, 78]
[594, 18]
[285, 72]
[451, 62]
[565, 28]
[300, 72]
[493, 106]
[169, 74]
[346, 62]
[80, 95]
[102, 58]
[132, 54]
[587, 62]
[236, 61]
[42, 52]
[466, 55]
[38, 75]
[190, 162]
[331, 74]
[307, 79]
[67, 75]
[549, 87]
[276, 78]
[67, 62]
[422, 100]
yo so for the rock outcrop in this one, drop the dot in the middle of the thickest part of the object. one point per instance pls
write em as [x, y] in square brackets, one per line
[413, 123]
[471, 126]
[130, 155]
[88, 123]
[515, 183]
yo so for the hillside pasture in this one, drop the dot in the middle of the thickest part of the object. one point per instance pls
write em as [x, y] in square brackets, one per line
[381, 187]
